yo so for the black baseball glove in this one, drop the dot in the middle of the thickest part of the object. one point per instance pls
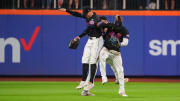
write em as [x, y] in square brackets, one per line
[74, 44]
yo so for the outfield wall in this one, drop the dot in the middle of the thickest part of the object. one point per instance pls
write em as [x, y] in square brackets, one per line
[153, 50]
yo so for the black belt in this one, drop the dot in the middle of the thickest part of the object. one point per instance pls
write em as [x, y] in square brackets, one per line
[111, 49]
[93, 37]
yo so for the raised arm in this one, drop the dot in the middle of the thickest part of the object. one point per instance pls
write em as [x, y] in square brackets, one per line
[73, 13]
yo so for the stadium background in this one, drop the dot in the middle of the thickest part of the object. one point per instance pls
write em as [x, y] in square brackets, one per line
[50, 56]
[44, 56]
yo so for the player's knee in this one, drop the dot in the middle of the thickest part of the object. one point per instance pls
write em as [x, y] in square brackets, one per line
[85, 60]
[93, 61]
[100, 54]
[102, 59]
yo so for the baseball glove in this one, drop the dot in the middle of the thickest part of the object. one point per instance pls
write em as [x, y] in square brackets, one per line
[73, 44]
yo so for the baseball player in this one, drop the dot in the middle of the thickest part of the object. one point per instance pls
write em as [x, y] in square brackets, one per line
[107, 27]
[116, 37]
[91, 49]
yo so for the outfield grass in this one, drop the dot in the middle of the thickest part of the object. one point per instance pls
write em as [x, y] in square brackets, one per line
[65, 91]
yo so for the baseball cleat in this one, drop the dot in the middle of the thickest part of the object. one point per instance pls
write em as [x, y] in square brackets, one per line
[86, 93]
[126, 80]
[122, 93]
[81, 85]
[88, 86]
[104, 80]
[116, 81]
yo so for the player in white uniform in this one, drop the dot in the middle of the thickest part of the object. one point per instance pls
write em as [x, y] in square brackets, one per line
[91, 49]
[115, 36]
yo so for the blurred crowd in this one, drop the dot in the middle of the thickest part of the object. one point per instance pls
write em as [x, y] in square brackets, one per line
[137, 4]
[94, 4]
[36, 4]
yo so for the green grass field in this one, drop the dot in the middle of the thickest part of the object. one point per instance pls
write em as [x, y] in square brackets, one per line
[65, 91]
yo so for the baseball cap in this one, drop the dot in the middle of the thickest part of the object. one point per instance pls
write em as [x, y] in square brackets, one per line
[86, 10]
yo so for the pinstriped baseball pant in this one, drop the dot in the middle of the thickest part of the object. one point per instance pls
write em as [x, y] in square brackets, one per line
[115, 61]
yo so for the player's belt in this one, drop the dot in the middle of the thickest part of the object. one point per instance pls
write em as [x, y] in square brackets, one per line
[92, 38]
[113, 51]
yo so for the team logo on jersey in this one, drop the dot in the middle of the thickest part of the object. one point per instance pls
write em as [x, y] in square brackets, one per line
[114, 39]
[91, 22]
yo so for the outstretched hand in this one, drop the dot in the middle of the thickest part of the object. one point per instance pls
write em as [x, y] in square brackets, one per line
[62, 9]
[76, 38]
